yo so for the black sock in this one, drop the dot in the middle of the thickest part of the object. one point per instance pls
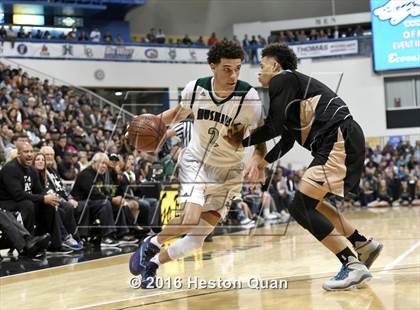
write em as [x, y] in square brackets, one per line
[355, 236]
[344, 255]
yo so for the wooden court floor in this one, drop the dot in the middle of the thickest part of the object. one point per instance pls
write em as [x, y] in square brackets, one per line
[268, 253]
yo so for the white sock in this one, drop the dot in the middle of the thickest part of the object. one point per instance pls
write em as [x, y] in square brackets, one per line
[155, 242]
[155, 259]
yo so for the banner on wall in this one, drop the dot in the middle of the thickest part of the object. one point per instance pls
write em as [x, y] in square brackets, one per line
[73, 51]
[323, 49]
[103, 52]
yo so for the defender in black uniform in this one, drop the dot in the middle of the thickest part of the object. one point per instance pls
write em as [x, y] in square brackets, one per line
[304, 110]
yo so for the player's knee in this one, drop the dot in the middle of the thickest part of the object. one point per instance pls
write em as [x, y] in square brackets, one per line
[302, 208]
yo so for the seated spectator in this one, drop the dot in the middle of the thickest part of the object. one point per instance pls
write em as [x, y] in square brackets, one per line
[200, 41]
[68, 207]
[212, 40]
[11, 36]
[16, 139]
[3, 34]
[16, 236]
[90, 192]
[67, 167]
[127, 186]
[21, 33]
[107, 38]
[62, 240]
[60, 147]
[95, 35]
[21, 190]
[83, 161]
[125, 209]
[151, 36]
[83, 36]
[160, 37]
[186, 40]
[119, 40]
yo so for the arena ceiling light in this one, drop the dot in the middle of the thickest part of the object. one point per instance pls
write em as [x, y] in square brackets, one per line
[118, 93]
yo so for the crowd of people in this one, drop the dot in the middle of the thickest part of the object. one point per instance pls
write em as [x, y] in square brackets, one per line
[67, 169]
[95, 35]
[299, 35]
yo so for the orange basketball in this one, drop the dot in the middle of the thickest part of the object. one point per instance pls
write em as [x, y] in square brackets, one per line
[145, 132]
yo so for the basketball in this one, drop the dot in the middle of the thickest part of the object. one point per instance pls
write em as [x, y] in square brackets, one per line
[145, 132]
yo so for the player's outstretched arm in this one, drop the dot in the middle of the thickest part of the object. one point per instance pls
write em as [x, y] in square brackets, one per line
[174, 115]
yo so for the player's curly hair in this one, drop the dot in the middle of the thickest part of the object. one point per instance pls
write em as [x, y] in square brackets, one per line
[224, 49]
[283, 54]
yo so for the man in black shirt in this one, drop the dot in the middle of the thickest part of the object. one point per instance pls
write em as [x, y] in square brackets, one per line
[20, 188]
[67, 207]
[305, 110]
[90, 191]
[15, 236]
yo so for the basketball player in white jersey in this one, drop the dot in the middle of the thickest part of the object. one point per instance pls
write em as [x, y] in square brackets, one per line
[209, 173]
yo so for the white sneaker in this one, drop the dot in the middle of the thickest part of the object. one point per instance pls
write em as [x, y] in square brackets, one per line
[353, 274]
[368, 251]
[285, 217]
[270, 216]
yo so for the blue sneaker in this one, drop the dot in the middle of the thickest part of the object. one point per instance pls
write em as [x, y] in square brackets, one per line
[142, 256]
[148, 276]
[353, 274]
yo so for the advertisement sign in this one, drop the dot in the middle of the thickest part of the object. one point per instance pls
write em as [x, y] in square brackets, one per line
[396, 34]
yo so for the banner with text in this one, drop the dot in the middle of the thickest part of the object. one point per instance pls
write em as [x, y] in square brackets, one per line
[154, 53]
[103, 52]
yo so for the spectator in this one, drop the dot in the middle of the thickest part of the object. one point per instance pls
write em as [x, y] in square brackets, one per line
[16, 139]
[186, 40]
[67, 167]
[358, 31]
[20, 190]
[60, 148]
[236, 41]
[11, 36]
[21, 33]
[83, 36]
[95, 35]
[261, 40]
[151, 36]
[128, 184]
[83, 161]
[119, 40]
[107, 38]
[16, 236]
[212, 40]
[3, 34]
[62, 240]
[160, 37]
[89, 191]
[68, 207]
[200, 41]
[38, 34]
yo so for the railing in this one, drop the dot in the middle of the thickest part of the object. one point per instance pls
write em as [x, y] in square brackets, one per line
[121, 114]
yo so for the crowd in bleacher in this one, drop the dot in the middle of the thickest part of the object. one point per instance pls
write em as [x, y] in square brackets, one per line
[56, 136]
[7, 33]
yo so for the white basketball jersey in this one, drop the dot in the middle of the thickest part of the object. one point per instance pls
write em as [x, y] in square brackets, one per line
[212, 118]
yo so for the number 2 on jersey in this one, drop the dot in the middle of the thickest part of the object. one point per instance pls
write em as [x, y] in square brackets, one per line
[214, 133]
